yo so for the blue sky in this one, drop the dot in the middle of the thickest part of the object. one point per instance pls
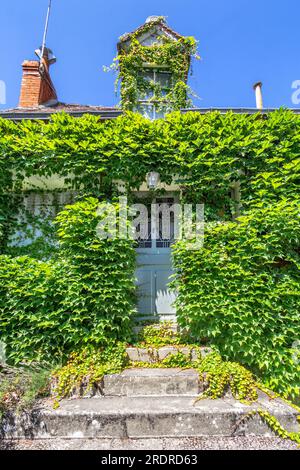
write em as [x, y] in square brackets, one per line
[240, 42]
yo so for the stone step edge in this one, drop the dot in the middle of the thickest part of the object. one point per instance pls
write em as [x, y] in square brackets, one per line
[153, 355]
[155, 382]
[213, 418]
[146, 382]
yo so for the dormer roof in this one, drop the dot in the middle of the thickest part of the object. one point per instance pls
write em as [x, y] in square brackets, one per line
[149, 32]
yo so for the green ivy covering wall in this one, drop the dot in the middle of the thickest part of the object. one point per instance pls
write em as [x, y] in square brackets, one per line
[166, 53]
[241, 291]
[208, 153]
[173, 56]
[86, 297]
[248, 273]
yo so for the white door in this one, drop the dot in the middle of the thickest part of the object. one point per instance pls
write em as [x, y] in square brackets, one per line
[154, 269]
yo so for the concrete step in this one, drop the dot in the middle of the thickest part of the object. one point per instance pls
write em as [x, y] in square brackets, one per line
[146, 417]
[153, 382]
[151, 355]
[140, 324]
[156, 318]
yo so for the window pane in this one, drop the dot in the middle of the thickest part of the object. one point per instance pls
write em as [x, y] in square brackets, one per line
[160, 113]
[148, 77]
[164, 79]
[147, 110]
[168, 223]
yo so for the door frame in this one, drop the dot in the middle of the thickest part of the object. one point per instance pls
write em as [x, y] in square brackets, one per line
[155, 260]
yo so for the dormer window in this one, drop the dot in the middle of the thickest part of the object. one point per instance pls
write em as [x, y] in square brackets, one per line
[153, 64]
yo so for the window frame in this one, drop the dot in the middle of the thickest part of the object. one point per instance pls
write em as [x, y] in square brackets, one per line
[151, 104]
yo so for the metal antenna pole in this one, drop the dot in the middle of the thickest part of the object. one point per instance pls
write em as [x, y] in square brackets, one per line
[46, 29]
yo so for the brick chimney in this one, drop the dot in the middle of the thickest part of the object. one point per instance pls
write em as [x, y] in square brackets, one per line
[37, 88]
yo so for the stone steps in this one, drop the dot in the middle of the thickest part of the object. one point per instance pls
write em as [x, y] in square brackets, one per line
[147, 403]
[151, 355]
[147, 417]
[153, 382]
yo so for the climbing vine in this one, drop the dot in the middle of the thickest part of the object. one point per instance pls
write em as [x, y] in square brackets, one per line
[85, 296]
[240, 291]
[84, 371]
[274, 425]
[166, 53]
[203, 154]
[221, 377]
[161, 334]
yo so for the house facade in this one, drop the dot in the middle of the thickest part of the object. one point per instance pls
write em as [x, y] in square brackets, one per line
[153, 67]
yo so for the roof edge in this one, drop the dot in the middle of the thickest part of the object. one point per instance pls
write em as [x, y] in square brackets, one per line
[114, 113]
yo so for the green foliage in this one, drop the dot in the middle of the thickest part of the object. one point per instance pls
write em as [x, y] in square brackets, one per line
[48, 309]
[85, 369]
[99, 282]
[176, 360]
[31, 229]
[1, 234]
[275, 426]
[20, 388]
[173, 55]
[160, 334]
[207, 152]
[241, 291]
[8, 203]
[221, 376]
[30, 317]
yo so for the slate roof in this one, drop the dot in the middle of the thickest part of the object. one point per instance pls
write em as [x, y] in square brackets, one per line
[44, 112]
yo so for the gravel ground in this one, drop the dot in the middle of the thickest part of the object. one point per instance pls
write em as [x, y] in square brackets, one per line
[216, 443]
